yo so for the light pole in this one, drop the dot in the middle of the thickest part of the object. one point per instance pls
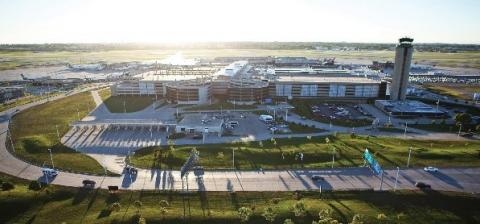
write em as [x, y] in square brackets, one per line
[333, 157]
[124, 107]
[78, 114]
[51, 158]
[286, 114]
[381, 182]
[233, 158]
[409, 154]
[389, 118]
[396, 179]
[58, 134]
[11, 141]
[459, 130]
[405, 132]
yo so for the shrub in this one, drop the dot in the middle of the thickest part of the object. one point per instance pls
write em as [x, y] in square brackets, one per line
[275, 200]
[6, 186]
[34, 185]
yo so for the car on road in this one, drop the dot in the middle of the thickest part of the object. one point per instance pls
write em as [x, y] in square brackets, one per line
[430, 169]
[233, 123]
[49, 172]
[88, 183]
[273, 129]
[131, 169]
[317, 178]
[467, 134]
[422, 185]
[197, 136]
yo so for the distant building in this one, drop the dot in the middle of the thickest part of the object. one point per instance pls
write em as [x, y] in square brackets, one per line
[403, 59]
[10, 92]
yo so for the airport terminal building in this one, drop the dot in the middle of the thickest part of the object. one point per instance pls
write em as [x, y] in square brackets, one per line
[237, 84]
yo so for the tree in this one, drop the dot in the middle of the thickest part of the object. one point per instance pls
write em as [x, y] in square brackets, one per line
[244, 214]
[463, 118]
[325, 216]
[357, 219]
[269, 214]
[299, 209]
[164, 203]
[34, 185]
[288, 221]
[138, 204]
[115, 207]
[142, 220]
[382, 218]
[220, 156]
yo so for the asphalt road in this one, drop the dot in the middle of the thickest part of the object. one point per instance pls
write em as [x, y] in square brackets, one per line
[452, 179]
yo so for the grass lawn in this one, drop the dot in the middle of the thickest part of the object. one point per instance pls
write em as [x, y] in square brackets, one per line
[34, 132]
[455, 90]
[56, 204]
[390, 152]
[302, 108]
[115, 104]
[105, 93]
[221, 106]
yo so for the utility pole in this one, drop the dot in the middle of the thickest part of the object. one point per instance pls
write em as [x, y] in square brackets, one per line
[409, 153]
[124, 107]
[396, 179]
[51, 158]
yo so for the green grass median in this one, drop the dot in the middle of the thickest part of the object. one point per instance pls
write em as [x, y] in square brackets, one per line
[55, 204]
[282, 153]
[34, 132]
[126, 104]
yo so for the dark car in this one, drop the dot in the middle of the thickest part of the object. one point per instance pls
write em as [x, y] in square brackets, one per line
[197, 136]
[317, 178]
[89, 183]
[467, 134]
[422, 185]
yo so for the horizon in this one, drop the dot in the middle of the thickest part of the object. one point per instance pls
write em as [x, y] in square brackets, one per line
[183, 22]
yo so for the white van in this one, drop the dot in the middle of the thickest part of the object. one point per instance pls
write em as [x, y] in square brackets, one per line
[266, 118]
[49, 172]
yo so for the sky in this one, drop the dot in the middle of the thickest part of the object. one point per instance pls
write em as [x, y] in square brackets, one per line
[177, 21]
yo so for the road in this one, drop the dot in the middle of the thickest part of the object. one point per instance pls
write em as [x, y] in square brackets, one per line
[451, 179]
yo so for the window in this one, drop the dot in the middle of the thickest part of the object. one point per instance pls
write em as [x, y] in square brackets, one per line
[336, 90]
[309, 90]
[366, 91]
[283, 90]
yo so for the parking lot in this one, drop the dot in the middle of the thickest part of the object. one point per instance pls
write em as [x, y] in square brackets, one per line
[339, 111]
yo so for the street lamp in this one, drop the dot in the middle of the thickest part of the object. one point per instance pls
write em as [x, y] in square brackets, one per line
[51, 158]
[409, 154]
[459, 130]
[333, 157]
[396, 179]
[405, 132]
[233, 158]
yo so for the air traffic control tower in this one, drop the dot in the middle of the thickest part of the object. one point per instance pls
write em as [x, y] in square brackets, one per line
[403, 59]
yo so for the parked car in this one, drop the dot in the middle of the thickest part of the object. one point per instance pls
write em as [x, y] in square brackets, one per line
[89, 183]
[422, 185]
[430, 169]
[467, 134]
[197, 136]
[317, 178]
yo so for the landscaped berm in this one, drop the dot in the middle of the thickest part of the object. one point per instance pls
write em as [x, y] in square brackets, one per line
[26, 203]
[283, 153]
[34, 132]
